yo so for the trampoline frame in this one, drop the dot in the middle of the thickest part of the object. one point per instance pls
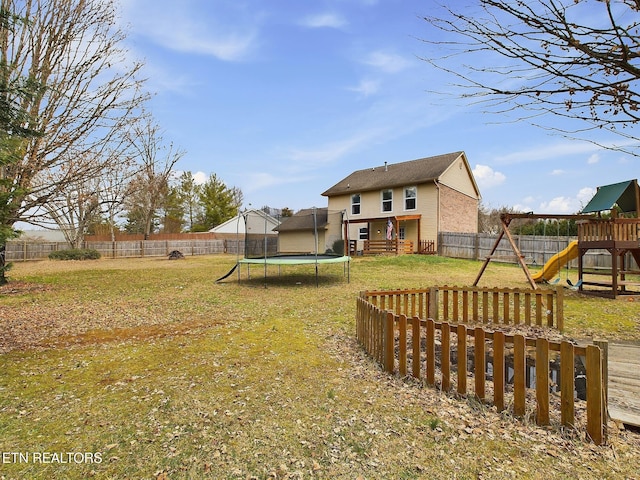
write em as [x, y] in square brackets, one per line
[293, 258]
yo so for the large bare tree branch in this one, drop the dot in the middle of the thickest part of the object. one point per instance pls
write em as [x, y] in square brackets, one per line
[89, 92]
[576, 59]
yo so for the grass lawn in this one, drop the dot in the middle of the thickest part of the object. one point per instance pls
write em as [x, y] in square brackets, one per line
[145, 368]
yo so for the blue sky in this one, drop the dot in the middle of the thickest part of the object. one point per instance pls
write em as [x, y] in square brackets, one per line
[284, 98]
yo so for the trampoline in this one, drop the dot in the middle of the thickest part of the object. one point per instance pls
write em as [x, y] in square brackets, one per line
[293, 259]
[263, 248]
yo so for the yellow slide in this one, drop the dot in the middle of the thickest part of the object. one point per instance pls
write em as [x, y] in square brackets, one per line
[553, 265]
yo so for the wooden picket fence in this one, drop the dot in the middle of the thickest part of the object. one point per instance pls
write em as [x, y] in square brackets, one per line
[540, 307]
[447, 354]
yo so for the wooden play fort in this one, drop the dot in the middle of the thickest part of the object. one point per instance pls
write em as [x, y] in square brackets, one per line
[618, 235]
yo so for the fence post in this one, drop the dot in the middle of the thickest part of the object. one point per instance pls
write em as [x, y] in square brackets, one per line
[433, 303]
[604, 351]
[415, 361]
[519, 382]
[445, 368]
[388, 343]
[595, 419]
[567, 383]
[498, 370]
[542, 381]
[479, 362]
[402, 350]
[462, 359]
[431, 352]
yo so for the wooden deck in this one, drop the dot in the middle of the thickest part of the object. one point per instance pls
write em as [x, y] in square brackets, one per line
[624, 383]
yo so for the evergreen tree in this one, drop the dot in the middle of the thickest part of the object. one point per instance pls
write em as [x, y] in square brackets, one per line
[219, 203]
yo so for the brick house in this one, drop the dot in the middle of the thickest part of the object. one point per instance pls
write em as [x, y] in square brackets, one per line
[401, 207]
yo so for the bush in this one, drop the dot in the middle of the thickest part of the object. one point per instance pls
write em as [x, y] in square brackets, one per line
[75, 254]
[338, 247]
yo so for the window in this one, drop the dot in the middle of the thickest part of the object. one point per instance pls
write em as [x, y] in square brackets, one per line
[410, 194]
[401, 233]
[363, 233]
[387, 200]
[355, 204]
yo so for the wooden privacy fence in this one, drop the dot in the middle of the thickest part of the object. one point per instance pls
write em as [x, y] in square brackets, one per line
[537, 250]
[23, 251]
[505, 368]
[540, 307]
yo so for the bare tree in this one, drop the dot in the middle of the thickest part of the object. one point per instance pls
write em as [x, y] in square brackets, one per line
[90, 90]
[83, 201]
[577, 59]
[74, 208]
[114, 186]
[149, 188]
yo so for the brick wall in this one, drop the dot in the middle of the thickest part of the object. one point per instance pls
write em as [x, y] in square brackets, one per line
[458, 212]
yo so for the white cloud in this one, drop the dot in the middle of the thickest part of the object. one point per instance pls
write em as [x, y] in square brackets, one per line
[387, 62]
[331, 152]
[263, 180]
[559, 205]
[557, 172]
[366, 87]
[486, 177]
[545, 153]
[200, 178]
[324, 20]
[593, 159]
[585, 195]
[174, 26]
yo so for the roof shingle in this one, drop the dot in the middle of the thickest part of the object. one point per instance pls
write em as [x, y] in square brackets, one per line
[392, 175]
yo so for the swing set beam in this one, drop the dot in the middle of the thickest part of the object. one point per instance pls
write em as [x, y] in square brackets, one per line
[505, 220]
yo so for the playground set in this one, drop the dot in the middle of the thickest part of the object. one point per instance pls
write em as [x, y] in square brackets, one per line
[617, 236]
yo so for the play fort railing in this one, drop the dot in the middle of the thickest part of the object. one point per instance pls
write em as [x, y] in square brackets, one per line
[610, 230]
[403, 331]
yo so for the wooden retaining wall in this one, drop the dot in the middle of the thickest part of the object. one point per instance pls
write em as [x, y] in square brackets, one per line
[433, 350]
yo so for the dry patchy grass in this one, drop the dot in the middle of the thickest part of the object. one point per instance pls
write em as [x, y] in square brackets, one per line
[168, 375]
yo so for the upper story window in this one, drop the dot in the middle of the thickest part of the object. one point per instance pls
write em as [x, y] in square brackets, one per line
[410, 195]
[387, 200]
[355, 204]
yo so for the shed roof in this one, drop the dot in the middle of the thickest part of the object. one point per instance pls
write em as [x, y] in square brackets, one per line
[303, 220]
[623, 194]
[418, 171]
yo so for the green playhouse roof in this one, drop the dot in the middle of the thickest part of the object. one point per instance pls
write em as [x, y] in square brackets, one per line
[623, 194]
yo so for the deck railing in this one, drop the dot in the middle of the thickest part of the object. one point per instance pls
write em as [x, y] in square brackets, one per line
[394, 247]
[446, 355]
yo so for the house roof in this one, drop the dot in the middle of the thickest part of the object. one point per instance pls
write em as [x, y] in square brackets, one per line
[238, 225]
[624, 194]
[303, 220]
[418, 171]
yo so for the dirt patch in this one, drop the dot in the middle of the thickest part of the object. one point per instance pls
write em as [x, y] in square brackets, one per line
[21, 288]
